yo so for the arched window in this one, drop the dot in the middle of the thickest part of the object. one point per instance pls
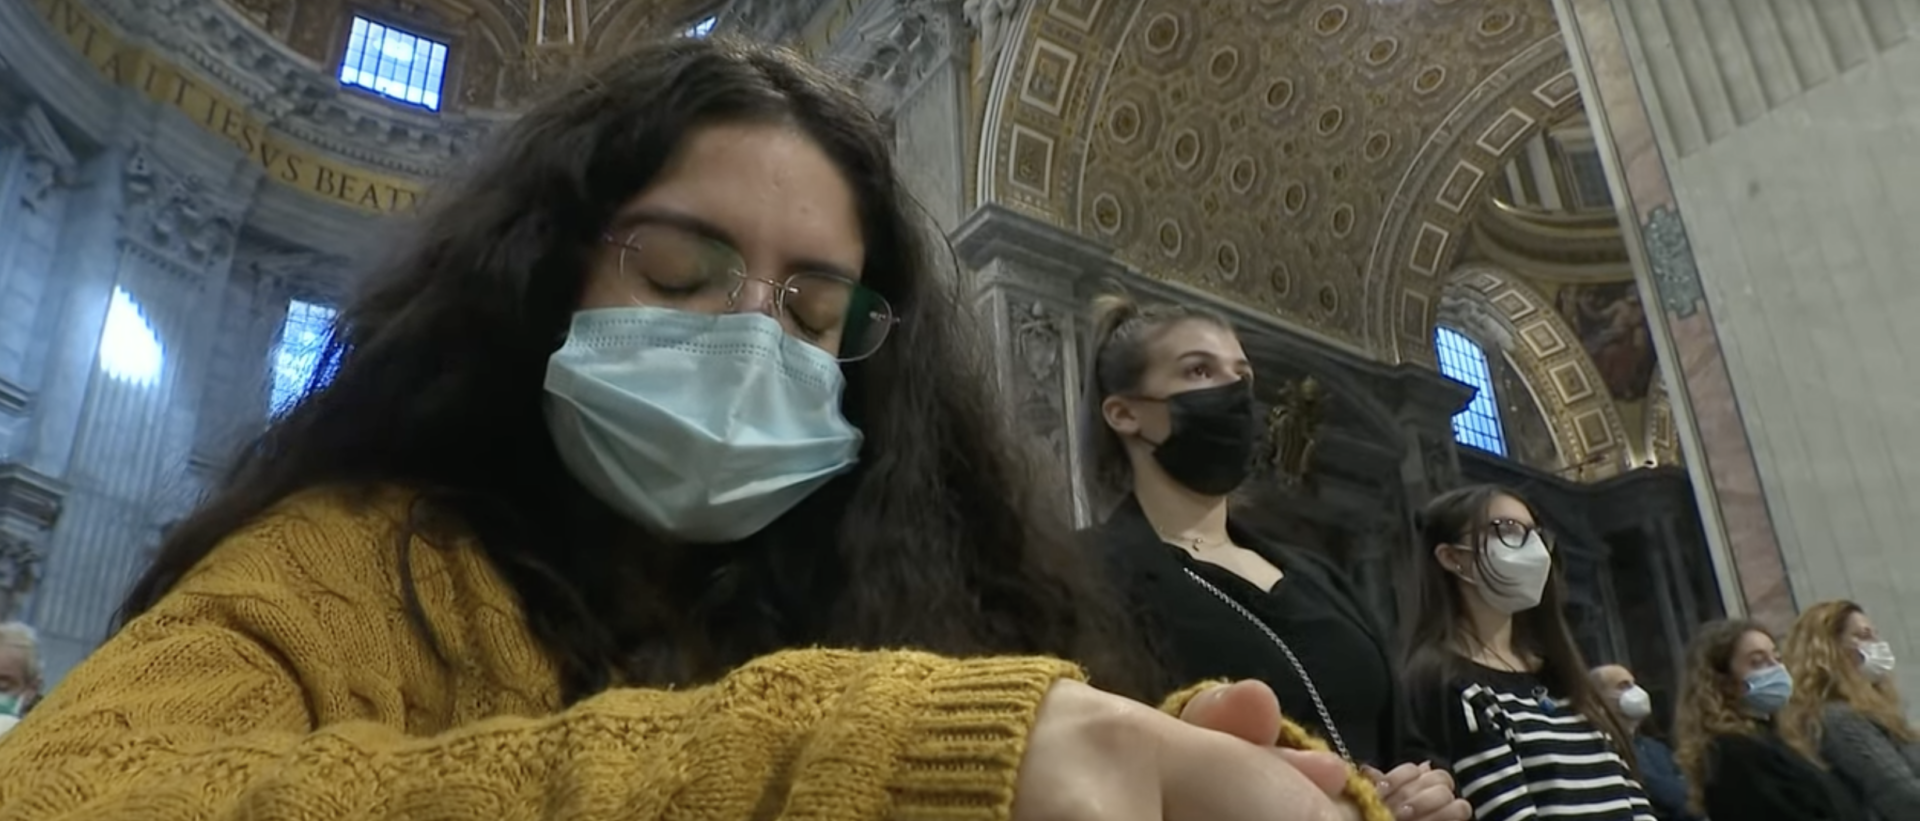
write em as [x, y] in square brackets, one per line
[130, 350]
[303, 338]
[1462, 360]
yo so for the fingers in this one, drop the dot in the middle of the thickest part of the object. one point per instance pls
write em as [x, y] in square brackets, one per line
[1246, 710]
[1326, 771]
[1399, 779]
[1427, 800]
[1452, 809]
[1211, 777]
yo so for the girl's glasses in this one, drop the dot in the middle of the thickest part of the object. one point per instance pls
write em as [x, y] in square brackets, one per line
[671, 267]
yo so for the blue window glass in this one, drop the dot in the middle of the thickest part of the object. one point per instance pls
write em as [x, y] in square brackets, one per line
[394, 64]
[1478, 425]
[303, 338]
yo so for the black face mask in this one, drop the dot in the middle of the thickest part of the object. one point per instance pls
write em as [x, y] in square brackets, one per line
[1210, 446]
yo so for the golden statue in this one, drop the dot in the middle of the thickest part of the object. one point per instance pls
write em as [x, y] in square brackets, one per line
[1293, 429]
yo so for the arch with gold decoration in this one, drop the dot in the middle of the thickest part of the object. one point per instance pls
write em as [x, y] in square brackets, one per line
[1224, 151]
[1493, 305]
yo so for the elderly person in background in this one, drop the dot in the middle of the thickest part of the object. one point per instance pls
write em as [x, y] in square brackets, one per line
[1659, 772]
[19, 672]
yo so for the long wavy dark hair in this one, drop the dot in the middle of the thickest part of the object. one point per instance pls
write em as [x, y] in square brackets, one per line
[942, 538]
[1711, 705]
[1439, 636]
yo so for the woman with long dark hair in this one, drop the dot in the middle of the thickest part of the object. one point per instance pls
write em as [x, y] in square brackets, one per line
[1846, 707]
[1741, 763]
[1170, 427]
[657, 477]
[1495, 677]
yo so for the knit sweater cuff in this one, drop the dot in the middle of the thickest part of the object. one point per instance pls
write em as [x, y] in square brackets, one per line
[962, 754]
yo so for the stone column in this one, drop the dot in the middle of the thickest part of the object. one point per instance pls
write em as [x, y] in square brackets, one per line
[29, 505]
[1423, 403]
[36, 169]
[1031, 282]
[911, 57]
[145, 257]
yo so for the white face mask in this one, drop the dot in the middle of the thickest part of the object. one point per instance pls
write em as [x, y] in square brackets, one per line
[1518, 575]
[1876, 659]
[1635, 704]
[703, 427]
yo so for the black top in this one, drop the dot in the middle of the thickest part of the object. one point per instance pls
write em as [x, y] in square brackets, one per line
[1520, 751]
[1312, 608]
[1660, 774]
[1759, 778]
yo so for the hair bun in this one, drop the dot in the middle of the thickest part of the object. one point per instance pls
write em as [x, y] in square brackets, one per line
[1110, 311]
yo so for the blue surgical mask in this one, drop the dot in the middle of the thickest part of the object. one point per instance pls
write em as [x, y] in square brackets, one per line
[1769, 689]
[702, 427]
[11, 705]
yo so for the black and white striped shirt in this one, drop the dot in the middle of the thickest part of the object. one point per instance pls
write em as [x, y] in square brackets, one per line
[1518, 753]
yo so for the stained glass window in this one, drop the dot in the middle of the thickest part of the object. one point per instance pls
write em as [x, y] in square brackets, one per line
[394, 63]
[1478, 424]
[303, 338]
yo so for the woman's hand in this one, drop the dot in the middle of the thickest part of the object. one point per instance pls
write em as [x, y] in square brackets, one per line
[1093, 755]
[1248, 710]
[1418, 792]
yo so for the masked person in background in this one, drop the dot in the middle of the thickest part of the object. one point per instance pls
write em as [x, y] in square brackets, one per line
[1844, 703]
[659, 476]
[1171, 432]
[1658, 771]
[19, 672]
[1741, 764]
[1495, 677]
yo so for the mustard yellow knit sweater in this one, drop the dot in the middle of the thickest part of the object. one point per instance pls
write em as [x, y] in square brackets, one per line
[282, 680]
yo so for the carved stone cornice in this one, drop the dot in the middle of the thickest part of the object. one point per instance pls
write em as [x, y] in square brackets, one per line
[1050, 259]
[892, 47]
[175, 219]
[49, 162]
[29, 500]
[773, 21]
[295, 95]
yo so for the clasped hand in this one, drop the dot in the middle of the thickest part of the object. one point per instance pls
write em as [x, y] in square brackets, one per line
[1093, 755]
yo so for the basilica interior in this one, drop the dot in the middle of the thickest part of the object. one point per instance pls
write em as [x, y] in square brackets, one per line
[1649, 262]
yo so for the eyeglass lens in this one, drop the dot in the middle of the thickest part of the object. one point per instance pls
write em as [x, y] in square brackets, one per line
[673, 268]
[1514, 534]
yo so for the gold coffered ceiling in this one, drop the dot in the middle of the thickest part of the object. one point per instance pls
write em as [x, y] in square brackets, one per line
[498, 48]
[1314, 159]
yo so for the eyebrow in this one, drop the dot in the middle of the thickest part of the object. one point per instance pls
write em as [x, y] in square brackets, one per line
[1238, 363]
[687, 222]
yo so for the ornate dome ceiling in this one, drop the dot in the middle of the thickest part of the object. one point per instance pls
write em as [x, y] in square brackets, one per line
[498, 49]
[1250, 147]
[1315, 159]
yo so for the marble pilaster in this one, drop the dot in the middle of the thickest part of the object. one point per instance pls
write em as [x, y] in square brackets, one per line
[1032, 282]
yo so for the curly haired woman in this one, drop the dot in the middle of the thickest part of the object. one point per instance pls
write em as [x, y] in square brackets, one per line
[1845, 705]
[1739, 763]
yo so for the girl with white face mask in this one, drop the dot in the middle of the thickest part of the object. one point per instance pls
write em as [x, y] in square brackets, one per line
[1495, 678]
[1741, 759]
[1844, 702]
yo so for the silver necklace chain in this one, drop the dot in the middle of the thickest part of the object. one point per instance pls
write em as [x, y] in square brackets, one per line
[1319, 706]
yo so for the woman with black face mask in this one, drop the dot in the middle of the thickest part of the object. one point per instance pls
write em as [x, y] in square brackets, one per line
[1170, 427]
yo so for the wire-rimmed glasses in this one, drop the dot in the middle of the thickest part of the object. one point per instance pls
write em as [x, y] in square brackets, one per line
[672, 267]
